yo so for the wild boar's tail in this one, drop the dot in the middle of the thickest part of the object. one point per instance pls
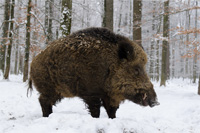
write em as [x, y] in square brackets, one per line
[30, 87]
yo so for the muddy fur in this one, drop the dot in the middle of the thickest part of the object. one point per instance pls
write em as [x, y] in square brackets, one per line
[95, 64]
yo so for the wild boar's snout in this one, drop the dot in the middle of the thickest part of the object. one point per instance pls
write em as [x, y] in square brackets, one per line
[154, 103]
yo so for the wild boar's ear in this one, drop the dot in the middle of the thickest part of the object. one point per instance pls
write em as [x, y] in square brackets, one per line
[125, 51]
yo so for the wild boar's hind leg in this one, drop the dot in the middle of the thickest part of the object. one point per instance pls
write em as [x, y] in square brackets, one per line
[93, 104]
[46, 103]
[111, 111]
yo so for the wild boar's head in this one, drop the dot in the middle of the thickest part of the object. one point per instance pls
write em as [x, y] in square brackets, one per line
[130, 79]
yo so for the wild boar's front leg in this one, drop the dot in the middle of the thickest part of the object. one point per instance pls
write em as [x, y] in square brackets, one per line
[94, 105]
[111, 110]
[46, 102]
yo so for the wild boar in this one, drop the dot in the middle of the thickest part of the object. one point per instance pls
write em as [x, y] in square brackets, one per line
[95, 64]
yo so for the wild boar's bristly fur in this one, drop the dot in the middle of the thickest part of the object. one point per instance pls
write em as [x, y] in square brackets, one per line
[95, 64]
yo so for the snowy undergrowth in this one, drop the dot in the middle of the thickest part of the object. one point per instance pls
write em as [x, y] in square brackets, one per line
[179, 112]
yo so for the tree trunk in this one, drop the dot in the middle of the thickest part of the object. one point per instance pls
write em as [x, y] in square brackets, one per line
[16, 67]
[8, 57]
[165, 47]
[158, 51]
[46, 21]
[35, 31]
[28, 36]
[120, 16]
[20, 67]
[88, 14]
[137, 17]
[50, 34]
[83, 15]
[130, 18]
[187, 41]
[195, 49]
[16, 55]
[5, 34]
[65, 24]
[108, 14]
[152, 45]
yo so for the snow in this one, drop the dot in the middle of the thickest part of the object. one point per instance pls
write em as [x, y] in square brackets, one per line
[178, 112]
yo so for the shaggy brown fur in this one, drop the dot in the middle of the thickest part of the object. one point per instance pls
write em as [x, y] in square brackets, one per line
[96, 65]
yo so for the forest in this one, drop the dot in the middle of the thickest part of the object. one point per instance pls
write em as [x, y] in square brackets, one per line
[168, 30]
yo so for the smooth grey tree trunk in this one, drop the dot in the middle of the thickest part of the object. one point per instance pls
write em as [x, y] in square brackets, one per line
[108, 14]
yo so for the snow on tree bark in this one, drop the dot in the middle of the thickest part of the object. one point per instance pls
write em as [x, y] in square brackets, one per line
[66, 18]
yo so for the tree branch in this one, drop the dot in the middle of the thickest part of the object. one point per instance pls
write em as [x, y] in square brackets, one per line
[39, 22]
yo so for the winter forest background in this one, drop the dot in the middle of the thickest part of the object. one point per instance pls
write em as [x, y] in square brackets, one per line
[167, 29]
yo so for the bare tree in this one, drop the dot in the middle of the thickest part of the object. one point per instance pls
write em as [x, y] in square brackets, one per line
[28, 43]
[195, 49]
[165, 46]
[50, 34]
[108, 14]
[152, 45]
[46, 21]
[8, 57]
[158, 52]
[49, 20]
[137, 17]
[188, 22]
[66, 19]
[5, 34]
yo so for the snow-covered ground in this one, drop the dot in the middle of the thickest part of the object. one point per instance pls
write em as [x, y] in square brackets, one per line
[179, 112]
